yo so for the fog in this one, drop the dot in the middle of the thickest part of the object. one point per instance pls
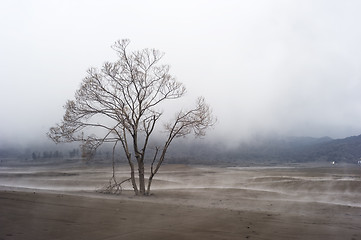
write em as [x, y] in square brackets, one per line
[223, 187]
[284, 67]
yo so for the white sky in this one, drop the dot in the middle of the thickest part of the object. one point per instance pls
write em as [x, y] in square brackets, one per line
[285, 67]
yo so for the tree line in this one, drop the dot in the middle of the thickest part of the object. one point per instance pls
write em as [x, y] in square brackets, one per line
[55, 154]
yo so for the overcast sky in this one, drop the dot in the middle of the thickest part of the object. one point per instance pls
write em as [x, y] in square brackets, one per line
[284, 67]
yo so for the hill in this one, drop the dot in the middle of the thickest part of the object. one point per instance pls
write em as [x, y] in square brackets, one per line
[275, 149]
[258, 150]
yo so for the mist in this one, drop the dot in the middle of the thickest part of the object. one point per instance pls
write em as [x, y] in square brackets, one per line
[265, 67]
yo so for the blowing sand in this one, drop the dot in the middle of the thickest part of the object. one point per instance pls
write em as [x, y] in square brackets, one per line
[188, 202]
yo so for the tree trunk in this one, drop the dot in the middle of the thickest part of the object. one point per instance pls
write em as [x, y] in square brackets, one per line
[132, 176]
[141, 177]
[149, 184]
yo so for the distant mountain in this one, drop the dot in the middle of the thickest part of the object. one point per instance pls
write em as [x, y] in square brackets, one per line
[339, 150]
[258, 150]
[280, 149]
[274, 149]
[305, 149]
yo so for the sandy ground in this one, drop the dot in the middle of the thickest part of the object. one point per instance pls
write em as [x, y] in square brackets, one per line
[188, 202]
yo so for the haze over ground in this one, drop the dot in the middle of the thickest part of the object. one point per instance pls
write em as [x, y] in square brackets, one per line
[285, 67]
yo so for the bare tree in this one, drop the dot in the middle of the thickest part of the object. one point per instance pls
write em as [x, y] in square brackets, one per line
[123, 99]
